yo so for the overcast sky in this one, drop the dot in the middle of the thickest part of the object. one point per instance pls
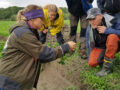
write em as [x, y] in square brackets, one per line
[23, 3]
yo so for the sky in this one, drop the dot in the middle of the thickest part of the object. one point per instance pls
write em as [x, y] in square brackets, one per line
[23, 3]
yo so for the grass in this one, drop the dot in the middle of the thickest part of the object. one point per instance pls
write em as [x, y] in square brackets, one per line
[4, 27]
[109, 82]
[67, 22]
[4, 31]
[1, 47]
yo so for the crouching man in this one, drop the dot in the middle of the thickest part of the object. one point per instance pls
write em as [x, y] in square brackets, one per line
[102, 40]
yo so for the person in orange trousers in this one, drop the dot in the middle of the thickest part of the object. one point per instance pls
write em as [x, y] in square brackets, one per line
[102, 40]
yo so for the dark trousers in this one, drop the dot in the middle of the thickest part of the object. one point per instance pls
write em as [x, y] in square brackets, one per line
[59, 38]
[74, 23]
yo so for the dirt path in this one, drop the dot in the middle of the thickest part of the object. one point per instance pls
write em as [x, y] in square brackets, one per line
[51, 78]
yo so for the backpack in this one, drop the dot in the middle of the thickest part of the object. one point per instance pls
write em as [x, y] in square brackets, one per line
[112, 6]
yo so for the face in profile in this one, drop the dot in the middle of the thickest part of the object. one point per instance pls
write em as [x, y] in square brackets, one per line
[96, 21]
[37, 23]
[52, 15]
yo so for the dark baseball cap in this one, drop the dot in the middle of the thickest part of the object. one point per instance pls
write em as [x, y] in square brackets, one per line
[92, 13]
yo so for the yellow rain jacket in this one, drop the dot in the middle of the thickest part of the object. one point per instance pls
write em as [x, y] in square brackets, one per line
[54, 26]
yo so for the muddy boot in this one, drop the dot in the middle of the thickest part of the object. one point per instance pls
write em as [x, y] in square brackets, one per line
[83, 48]
[83, 53]
[107, 68]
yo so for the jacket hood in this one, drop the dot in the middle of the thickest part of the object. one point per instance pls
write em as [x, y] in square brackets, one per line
[21, 23]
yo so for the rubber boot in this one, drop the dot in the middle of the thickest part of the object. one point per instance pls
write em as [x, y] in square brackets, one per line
[107, 68]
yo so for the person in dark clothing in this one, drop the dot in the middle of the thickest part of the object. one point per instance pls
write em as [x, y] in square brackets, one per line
[102, 37]
[78, 10]
[111, 7]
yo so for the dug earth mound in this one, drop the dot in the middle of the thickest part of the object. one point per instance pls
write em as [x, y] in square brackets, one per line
[55, 76]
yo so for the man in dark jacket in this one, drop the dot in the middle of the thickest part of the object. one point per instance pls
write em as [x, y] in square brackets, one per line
[102, 39]
[78, 10]
[111, 7]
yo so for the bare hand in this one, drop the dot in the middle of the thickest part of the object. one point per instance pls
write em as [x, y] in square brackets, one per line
[72, 45]
[45, 31]
[101, 29]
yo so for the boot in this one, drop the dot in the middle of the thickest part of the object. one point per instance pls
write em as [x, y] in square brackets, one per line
[82, 48]
[83, 54]
[107, 68]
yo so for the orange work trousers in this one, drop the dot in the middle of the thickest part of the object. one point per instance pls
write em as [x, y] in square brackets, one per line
[97, 55]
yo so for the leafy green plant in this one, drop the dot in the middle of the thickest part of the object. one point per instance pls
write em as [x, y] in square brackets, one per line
[1, 47]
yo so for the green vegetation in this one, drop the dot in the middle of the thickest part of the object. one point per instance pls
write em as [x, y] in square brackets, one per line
[9, 13]
[1, 47]
[65, 13]
[109, 82]
[70, 88]
[4, 27]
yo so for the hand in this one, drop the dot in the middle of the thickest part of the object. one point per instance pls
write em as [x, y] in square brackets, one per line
[101, 29]
[72, 45]
[45, 31]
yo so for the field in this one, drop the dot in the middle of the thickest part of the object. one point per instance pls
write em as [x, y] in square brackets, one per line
[76, 71]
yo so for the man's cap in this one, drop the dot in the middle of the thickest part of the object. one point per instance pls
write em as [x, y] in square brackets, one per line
[92, 13]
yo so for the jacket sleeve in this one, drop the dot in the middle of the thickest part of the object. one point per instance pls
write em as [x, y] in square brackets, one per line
[87, 42]
[114, 29]
[29, 44]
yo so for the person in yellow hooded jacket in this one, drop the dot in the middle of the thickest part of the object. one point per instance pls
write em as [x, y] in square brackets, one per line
[53, 23]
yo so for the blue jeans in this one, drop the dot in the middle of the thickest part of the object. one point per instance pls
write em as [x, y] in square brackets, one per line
[1, 89]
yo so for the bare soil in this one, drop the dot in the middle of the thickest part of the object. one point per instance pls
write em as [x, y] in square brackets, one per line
[3, 38]
[59, 77]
